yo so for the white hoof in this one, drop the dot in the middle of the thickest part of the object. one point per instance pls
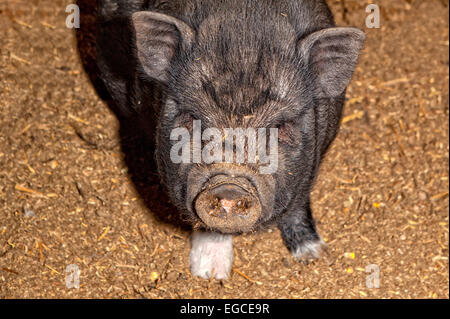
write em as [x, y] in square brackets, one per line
[309, 250]
[211, 255]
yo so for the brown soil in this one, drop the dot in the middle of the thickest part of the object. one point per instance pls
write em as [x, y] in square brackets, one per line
[69, 195]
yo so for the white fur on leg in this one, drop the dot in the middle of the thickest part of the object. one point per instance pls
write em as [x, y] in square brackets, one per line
[211, 253]
[309, 250]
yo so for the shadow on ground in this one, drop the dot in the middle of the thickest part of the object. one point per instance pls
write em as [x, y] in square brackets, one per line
[138, 150]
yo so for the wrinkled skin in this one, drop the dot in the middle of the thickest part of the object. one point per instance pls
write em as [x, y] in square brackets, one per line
[233, 63]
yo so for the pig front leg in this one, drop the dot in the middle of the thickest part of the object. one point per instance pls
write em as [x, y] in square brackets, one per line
[211, 255]
[299, 233]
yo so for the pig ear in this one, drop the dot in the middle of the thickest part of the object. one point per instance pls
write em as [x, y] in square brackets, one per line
[332, 55]
[158, 37]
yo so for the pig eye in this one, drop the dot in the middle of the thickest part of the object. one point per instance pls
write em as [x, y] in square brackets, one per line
[288, 133]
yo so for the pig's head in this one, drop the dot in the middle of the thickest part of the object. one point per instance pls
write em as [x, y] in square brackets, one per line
[244, 73]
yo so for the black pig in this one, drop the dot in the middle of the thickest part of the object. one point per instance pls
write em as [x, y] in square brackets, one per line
[280, 64]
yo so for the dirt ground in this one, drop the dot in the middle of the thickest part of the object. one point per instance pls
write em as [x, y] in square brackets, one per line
[71, 193]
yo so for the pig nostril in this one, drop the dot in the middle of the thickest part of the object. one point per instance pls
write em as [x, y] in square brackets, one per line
[215, 203]
[243, 207]
[242, 204]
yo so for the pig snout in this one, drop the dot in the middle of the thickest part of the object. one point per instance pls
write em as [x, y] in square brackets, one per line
[228, 204]
[226, 199]
[229, 200]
